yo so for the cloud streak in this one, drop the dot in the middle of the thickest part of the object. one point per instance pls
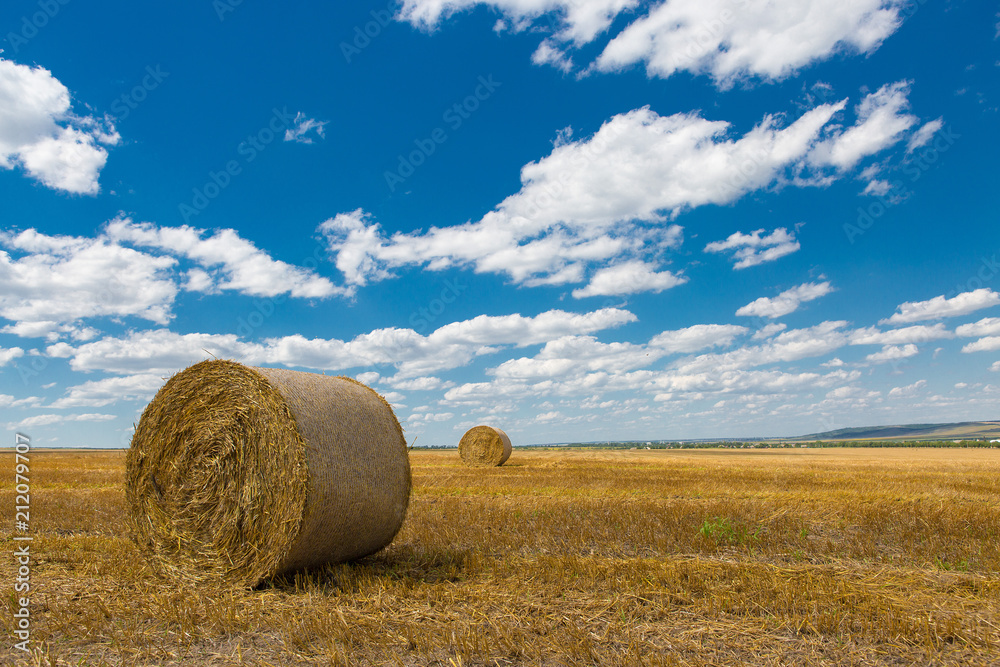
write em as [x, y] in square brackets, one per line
[753, 249]
[786, 302]
[940, 307]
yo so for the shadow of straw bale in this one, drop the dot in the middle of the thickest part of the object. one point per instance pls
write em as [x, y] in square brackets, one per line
[400, 563]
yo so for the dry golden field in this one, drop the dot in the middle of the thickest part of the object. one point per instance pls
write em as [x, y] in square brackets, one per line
[566, 557]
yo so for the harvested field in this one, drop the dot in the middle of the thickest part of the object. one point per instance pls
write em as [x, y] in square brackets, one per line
[563, 557]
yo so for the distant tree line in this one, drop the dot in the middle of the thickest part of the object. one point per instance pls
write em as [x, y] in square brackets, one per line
[752, 444]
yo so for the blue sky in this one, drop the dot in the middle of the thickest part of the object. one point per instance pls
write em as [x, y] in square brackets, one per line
[577, 220]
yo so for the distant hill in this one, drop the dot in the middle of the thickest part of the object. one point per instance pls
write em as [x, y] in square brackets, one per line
[952, 431]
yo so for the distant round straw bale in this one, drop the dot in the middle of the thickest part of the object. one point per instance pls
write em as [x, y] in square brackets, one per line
[484, 446]
[240, 473]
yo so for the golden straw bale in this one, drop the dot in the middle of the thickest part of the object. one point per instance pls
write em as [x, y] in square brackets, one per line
[484, 446]
[243, 473]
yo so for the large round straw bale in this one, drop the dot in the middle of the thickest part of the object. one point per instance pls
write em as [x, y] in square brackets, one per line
[484, 446]
[243, 473]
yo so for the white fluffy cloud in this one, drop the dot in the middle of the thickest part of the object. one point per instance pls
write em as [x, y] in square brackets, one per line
[988, 326]
[882, 121]
[920, 333]
[786, 302]
[672, 384]
[356, 239]
[986, 344]
[61, 280]
[725, 39]
[54, 283]
[98, 393]
[156, 352]
[161, 351]
[924, 134]
[551, 416]
[629, 278]
[427, 417]
[425, 383]
[49, 419]
[877, 188]
[909, 390]
[697, 337]
[604, 200]
[574, 355]
[582, 366]
[735, 40]
[9, 354]
[582, 20]
[791, 345]
[548, 53]
[520, 330]
[939, 307]
[769, 330]
[39, 132]
[891, 353]
[642, 166]
[849, 397]
[237, 263]
[588, 360]
[7, 401]
[753, 249]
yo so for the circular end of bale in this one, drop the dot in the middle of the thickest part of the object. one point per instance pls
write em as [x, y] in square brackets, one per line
[484, 446]
[240, 473]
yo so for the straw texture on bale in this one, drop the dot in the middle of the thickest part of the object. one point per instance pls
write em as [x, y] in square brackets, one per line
[484, 446]
[243, 473]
